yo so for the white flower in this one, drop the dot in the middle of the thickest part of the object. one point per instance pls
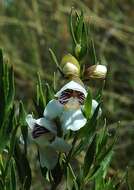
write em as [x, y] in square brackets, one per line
[43, 132]
[68, 106]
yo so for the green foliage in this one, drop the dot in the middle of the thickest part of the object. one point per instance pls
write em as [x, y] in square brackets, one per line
[89, 157]
[93, 139]
[7, 97]
[79, 33]
[8, 132]
[23, 168]
[43, 96]
[39, 101]
[53, 56]
[88, 105]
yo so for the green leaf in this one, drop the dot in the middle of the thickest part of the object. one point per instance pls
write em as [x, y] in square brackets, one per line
[2, 186]
[49, 93]
[102, 166]
[102, 138]
[11, 91]
[70, 177]
[6, 90]
[88, 105]
[98, 96]
[2, 95]
[129, 186]
[56, 174]
[44, 171]
[22, 123]
[12, 176]
[6, 128]
[40, 100]
[90, 127]
[11, 150]
[41, 94]
[22, 114]
[6, 81]
[79, 28]
[1, 65]
[81, 33]
[127, 181]
[1, 166]
[103, 154]
[53, 56]
[72, 27]
[23, 168]
[92, 53]
[84, 41]
[89, 157]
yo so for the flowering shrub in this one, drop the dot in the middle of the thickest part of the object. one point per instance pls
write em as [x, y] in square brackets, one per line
[69, 125]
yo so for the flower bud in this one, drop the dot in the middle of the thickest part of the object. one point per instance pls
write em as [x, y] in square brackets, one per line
[77, 50]
[70, 65]
[96, 71]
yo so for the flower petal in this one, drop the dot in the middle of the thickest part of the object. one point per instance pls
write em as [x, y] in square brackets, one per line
[73, 86]
[48, 124]
[48, 157]
[37, 134]
[60, 145]
[43, 140]
[73, 119]
[53, 109]
[30, 121]
[94, 106]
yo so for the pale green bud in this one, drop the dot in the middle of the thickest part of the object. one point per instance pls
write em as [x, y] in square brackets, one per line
[96, 71]
[70, 65]
[77, 50]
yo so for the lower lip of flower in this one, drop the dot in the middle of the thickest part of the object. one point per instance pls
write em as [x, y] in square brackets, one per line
[38, 131]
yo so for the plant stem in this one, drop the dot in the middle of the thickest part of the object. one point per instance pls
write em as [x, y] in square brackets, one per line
[70, 153]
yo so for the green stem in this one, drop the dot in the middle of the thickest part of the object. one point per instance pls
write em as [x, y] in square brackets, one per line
[71, 151]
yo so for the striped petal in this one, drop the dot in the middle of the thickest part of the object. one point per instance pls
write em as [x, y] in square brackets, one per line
[43, 122]
[72, 85]
[48, 124]
[41, 131]
[68, 94]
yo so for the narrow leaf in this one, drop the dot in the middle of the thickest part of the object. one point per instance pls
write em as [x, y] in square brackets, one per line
[53, 56]
[11, 91]
[79, 28]
[88, 105]
[72, 27]
[70, 177]
[23, 168]
[12, 177]
[49, 93]
[22, 123]
[92, 53]
[89, 157]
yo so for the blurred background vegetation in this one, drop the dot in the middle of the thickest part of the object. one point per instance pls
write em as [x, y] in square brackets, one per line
[29, 28]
